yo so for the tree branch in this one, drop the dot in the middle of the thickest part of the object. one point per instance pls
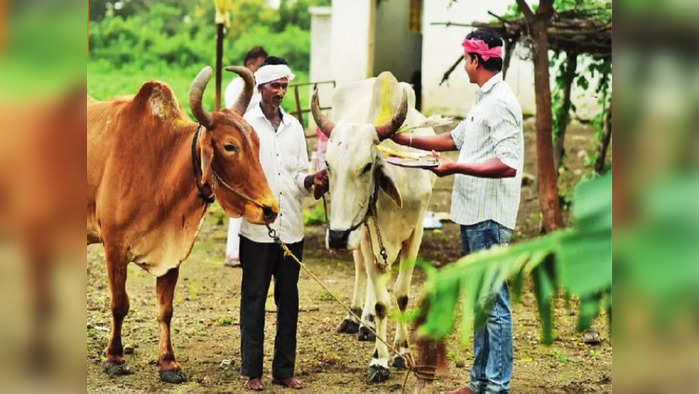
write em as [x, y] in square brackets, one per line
[524, 7]
[545, 7]
[446, 75]
[498, 17]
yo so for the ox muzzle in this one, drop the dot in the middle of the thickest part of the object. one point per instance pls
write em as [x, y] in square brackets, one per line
[337, 239]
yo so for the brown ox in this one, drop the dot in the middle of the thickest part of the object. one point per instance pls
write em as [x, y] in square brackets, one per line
[151, 175]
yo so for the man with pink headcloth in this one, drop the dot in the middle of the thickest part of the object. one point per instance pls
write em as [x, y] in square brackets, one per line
[485, 199]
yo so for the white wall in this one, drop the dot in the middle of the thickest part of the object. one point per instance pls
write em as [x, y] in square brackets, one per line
[441, 46]
[351, 40]
[396, 49]
[350, 37]
[321, 53]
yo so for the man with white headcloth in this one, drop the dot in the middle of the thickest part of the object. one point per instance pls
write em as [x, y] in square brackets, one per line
[284, 160]
[252, 61]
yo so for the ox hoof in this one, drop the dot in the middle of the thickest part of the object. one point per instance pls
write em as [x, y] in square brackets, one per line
[398, 362]
[172, 376]
[377, 374]
[113, 368]
[348, 326]
[365, 335]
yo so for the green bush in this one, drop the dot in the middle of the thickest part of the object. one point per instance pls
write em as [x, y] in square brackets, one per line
[172, 40]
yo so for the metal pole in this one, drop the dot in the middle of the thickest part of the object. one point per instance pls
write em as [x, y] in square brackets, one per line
[219, 65]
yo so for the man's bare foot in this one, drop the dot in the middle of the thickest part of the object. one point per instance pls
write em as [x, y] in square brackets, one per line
[254, 384]
[463, 390]
[291, 383]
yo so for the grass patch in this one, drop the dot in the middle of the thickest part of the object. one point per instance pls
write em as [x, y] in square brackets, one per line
[325, 296]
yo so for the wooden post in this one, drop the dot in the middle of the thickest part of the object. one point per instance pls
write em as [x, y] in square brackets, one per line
[299, 114]
[219, 65]
[546, 173]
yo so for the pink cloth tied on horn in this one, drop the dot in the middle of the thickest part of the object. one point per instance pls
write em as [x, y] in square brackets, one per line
[481, 48]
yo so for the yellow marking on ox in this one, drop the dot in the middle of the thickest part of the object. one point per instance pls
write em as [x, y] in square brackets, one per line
[385, 111]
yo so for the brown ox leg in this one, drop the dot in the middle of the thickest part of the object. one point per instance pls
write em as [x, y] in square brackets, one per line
[165, 289]
[116, 269]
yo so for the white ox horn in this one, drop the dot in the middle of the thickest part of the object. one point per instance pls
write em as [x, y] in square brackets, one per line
[241, 105]
[324, 123]
[389, 128]
[196, 91]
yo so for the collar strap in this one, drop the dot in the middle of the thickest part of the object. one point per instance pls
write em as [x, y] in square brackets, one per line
[196, 168]
[370, 208]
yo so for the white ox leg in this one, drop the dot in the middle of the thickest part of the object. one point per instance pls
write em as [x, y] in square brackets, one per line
[350, 325]
[364, 334]
[401, 289]
[378, 368]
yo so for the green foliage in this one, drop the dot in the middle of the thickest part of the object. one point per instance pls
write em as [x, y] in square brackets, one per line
[325, 296]
[172, 40]
[655, 262]
[576, 261]
[295, 12]
[602, 67]
[179, 36]
[316, 216]
[601, 10]
[566, 67]
[225, 321]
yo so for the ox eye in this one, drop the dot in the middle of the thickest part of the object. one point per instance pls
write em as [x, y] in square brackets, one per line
[230, 148]
[366, 168]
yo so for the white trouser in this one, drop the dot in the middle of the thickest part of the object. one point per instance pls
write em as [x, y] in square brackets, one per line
[233, 243]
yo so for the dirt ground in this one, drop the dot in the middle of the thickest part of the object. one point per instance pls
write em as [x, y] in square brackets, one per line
[206, 329]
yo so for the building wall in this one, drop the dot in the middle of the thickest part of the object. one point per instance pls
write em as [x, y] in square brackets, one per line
[350, 37]
[442, 46]
[321, 53]
[396, 49]
[353, 36]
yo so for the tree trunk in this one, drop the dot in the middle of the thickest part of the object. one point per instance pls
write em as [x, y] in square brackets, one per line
[563, 112]
[546, 173]
[604, 143]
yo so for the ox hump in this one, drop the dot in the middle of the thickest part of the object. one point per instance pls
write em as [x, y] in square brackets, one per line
[156, 98]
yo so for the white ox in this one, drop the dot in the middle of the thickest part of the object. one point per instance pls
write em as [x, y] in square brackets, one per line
[385, 204]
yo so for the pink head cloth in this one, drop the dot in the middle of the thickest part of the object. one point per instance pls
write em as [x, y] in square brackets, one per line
[481, 48]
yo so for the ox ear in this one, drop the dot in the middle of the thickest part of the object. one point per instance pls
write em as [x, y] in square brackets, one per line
[206, 152]
[387, 184]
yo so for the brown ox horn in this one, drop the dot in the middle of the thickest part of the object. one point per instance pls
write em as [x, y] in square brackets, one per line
[196, 91]
[241, 105]
[324, 123]
[387, 129]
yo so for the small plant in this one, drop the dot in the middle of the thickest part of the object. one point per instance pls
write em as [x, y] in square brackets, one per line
[325, 296]
[225, 321]
[458, 361]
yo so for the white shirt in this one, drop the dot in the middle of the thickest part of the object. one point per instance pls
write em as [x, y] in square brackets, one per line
[285, 163]
[493, 128]
[233, 91]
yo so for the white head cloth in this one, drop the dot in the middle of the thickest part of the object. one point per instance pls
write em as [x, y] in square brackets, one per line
[272, 72]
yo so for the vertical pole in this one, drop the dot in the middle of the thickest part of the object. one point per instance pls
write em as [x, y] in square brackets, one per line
[299, 114]
[219, 65]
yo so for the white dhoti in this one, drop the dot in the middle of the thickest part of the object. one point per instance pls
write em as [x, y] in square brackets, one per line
[233, 242]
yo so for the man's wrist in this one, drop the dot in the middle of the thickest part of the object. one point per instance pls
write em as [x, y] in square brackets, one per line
[458, 168]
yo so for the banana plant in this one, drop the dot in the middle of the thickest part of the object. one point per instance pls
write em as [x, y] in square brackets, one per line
[576, 261]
